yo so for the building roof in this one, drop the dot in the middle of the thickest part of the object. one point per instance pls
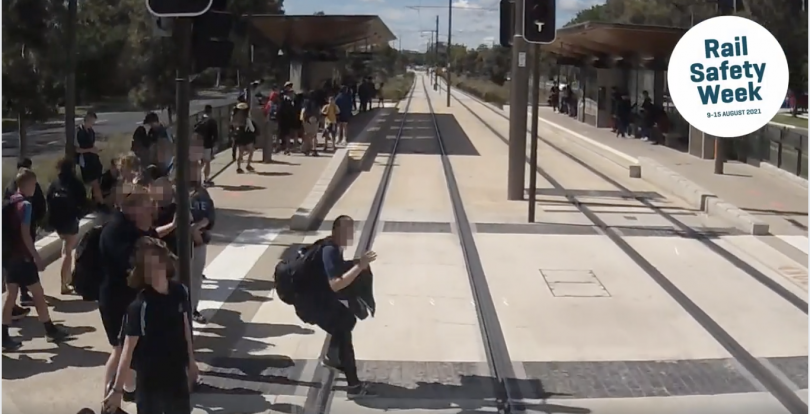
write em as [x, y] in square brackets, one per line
[591, 39]
[311, 32]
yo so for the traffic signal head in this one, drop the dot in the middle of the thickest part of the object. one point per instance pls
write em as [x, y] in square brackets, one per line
[539, 21]
[507, 18]
[178, 8]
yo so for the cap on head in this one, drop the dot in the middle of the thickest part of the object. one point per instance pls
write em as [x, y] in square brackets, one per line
[24, 163]
[242, 105]
[288, 85]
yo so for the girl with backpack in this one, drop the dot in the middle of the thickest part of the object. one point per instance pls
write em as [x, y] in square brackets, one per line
[66, 197]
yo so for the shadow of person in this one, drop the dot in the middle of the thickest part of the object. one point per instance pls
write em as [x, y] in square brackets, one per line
[248, 403]
[227, 331]
[77, 305]
[473, 394]
[64, 356]
[31, 328]
[245, 290]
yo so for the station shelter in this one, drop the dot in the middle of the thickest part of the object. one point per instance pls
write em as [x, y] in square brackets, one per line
[317, 47]
[634, 58]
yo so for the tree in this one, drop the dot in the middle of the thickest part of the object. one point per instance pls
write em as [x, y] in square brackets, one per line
[154, 58]
[31, 79]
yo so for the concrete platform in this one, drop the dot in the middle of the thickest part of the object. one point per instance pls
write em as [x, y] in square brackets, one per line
[245, 321]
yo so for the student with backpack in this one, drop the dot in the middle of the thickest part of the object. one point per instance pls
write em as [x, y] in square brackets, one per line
[22, 263]
[66, 198]
[39, 210]
[116, 245]
[312, 283]
[157, 337]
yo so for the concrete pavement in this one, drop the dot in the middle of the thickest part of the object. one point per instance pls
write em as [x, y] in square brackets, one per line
[580, 315]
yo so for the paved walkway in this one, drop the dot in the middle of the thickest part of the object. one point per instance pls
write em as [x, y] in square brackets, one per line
[772, 198]
[250, 236]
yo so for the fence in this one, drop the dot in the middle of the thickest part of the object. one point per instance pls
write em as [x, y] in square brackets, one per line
[782, 147]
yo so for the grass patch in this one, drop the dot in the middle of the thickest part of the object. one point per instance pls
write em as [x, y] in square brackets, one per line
[9, 125]
[483, 89]
[45, 164]
[397, 88]
[788, 119]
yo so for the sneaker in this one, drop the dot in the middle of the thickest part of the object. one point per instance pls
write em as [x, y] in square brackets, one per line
[11, 344]
[250, 168]
[315, 154]
[26, 300]
[240, 171]
[197, 317]
[208, 183]
[67, 289]
[331, 364]
[360, 391]
[57, 334]
[19, 312]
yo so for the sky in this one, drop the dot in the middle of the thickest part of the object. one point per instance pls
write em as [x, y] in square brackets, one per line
[475, 22]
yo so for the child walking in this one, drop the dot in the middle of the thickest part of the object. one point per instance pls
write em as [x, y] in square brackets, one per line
[158, 336]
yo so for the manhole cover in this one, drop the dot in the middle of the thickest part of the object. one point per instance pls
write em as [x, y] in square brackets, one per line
[574, 283]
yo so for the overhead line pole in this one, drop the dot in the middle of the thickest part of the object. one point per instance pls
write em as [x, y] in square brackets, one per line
[449, 45]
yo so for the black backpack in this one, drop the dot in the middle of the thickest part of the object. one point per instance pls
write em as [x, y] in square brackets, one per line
[87, 272]
[293, 276]
[11, 225]
[62, 206]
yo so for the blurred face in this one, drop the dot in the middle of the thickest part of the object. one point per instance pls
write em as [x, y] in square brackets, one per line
[156, 270]
[89, 121]
[28, 188]
[344, 233]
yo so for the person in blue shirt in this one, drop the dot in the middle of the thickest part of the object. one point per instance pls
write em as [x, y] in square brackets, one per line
[344, 104]
[336, 318]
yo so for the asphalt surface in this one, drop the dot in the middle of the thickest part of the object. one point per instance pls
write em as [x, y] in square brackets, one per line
[45, 140]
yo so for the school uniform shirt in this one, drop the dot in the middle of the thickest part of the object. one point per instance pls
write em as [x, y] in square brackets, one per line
[116, 248]
[24, 213]
[161, 355]
[202, 207]
[330, 113]
[39, 206]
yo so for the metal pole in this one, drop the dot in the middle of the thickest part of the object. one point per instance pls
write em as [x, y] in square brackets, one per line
[449, 43]
[70, 81]
[436, 51]
[535, 114]
[518, 101]
[182, 139]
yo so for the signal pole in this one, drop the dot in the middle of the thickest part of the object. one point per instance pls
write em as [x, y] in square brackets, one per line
[183, 141]
[518, 101]
[449, 45]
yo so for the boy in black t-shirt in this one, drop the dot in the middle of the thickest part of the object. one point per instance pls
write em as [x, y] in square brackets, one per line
[158, 336]
[88, 159]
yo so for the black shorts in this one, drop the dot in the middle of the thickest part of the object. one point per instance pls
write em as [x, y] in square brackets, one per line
[21, 272]
[113, 316]
[68, 228]
[92, 169]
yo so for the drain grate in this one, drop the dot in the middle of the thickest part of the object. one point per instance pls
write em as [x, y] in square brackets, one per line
[574, 283]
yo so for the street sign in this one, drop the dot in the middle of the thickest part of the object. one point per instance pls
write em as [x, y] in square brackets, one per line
[507, 23]
[178, 8]
[539, 21]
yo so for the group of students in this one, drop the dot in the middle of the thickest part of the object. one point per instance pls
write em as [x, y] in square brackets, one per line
[130, 261]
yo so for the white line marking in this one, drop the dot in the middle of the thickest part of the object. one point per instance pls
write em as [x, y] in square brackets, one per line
[677, 252]
[799, 242]
[231, 266]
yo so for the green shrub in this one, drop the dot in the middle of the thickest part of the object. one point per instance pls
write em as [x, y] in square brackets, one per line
[397, 88]
[483, 89]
